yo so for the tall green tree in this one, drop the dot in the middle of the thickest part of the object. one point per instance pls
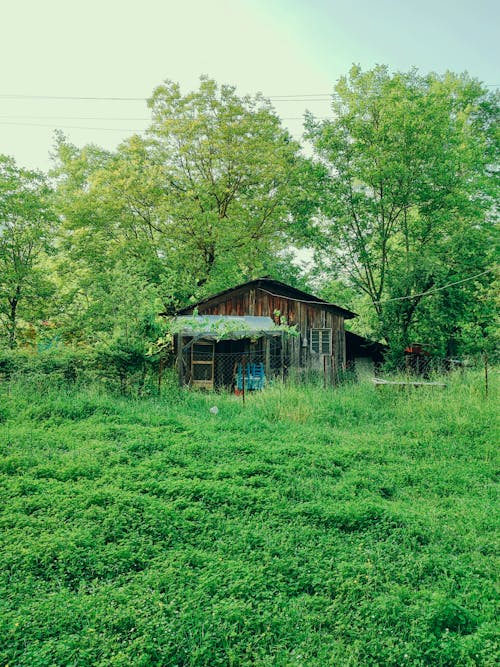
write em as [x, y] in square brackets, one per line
[234, 179]
[211, 196]
[408, 193]
[27, 223]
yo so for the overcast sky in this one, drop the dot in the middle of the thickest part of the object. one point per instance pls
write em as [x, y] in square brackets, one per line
[124, 48]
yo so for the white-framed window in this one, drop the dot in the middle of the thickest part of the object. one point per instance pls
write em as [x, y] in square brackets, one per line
[321, 341]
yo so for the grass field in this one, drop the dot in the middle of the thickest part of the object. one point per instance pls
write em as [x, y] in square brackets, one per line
[353, 527]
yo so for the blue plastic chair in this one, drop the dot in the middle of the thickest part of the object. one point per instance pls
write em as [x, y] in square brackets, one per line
[254, 377]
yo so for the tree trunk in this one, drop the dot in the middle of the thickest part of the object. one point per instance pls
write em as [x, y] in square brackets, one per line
[13, 318]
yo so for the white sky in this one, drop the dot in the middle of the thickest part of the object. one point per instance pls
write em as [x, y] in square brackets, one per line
[121, 48]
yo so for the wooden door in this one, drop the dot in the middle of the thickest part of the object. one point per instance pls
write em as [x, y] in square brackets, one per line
[202, 364]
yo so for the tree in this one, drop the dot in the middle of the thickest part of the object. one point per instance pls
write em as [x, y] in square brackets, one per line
[234, 180]
[480, 333]
[107, 261]
[26, 230]
[408, 192]
[211, 197]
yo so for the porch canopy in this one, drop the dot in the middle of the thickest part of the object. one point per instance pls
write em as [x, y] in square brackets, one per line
[225, 327]
[211, 350]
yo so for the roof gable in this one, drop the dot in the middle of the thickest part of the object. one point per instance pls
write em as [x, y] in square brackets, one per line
[275, 288]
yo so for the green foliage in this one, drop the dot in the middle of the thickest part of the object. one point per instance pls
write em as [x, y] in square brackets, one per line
[306, 527]
[409, 192]
[124, 362]
[116, 364]
[217, 192]
[480, 330]
[210, 198]
[27, 223]
[51, 367]
[223, 328]
[235, 182]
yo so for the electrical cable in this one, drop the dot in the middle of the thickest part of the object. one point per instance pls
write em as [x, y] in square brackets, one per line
[294, 97]
[70, 127]
[436, 289]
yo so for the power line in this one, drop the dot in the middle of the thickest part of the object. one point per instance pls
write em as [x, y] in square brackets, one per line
[293, 97]
[436, 289]
[112, 118]
[70, 127]
[316, 301]
[72, 97]
[320, 97]
[282, 98]
[18, 120]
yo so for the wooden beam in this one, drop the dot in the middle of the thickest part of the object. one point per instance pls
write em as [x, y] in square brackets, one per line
[180, 343]
[379, 382]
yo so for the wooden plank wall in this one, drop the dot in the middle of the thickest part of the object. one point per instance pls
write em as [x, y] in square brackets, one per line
[306, 316]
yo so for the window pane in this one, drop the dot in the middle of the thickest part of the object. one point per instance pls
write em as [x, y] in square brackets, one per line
[325, 341]
[315, 340]
[202, 352]
[321, 341]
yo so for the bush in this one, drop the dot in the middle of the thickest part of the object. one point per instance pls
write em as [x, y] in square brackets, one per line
[125, 365]
[62, 365]
[120, 366]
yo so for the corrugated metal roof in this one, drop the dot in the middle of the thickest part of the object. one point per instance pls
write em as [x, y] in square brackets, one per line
[227, 326]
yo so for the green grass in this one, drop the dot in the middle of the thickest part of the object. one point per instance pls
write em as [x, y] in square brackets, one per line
[308, 527]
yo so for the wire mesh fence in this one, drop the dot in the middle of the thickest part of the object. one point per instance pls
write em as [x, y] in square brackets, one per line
[254, 370]
[251, 369]
[203, 367]
[420, 366]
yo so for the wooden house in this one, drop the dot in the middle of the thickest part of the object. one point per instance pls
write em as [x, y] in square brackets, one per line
[208, 358]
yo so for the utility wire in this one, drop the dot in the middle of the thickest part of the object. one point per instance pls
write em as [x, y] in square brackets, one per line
[436, 289]
[317, 301]
[72, 97]
[71, 127]
[112, 118]
[4, 120]
[400, 298]
[294, 97]
[320, 97]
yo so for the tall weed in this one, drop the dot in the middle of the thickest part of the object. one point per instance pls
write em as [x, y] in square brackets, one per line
[306, 526]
